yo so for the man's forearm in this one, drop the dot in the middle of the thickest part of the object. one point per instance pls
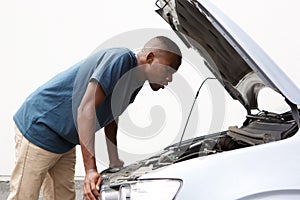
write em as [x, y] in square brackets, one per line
[111, 143]
[88, 158]
[86, 129]
[86, 121]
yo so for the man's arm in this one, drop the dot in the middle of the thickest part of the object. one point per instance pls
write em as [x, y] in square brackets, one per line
[111, 143]
[86, 120]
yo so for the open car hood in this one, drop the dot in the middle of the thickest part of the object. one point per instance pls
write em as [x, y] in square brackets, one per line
[239, 64]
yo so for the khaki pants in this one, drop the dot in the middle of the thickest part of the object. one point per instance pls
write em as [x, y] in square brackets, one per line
[36, 168]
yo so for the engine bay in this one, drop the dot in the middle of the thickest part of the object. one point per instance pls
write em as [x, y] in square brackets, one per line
[257, 129]
[261, 128]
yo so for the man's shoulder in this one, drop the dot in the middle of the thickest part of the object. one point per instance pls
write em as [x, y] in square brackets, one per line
[120, 56]
[119, 51]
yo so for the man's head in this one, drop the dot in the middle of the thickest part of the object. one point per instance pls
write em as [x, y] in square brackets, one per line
[160, 58]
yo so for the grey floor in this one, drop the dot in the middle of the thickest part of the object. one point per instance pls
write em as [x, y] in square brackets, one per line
[4, 190]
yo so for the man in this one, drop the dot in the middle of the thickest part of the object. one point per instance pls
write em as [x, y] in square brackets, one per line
[72, 106]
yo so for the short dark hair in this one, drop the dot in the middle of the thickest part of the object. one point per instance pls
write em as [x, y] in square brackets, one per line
[162, 43]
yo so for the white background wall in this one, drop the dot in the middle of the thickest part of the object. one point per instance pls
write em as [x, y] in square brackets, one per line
[41, 38]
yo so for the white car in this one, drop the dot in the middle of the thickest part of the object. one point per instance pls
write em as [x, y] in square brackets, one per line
[259, 159]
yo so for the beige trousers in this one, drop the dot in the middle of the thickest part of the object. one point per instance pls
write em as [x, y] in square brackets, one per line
[36, 168]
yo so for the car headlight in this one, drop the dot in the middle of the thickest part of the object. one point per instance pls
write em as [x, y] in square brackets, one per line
[145, 189]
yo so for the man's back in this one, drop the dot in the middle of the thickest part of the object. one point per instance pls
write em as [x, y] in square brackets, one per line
[45, 117]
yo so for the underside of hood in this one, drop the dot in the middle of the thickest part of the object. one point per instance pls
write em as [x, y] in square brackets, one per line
[239, 64]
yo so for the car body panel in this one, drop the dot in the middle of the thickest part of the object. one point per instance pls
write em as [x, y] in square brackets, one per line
[237, 174]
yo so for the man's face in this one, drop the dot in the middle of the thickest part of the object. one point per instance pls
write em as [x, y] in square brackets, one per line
[162, 70]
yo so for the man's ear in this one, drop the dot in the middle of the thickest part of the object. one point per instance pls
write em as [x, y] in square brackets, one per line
[150, 57]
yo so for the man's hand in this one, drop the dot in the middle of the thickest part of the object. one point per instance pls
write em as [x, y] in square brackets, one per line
[91, 187]
[116, 163]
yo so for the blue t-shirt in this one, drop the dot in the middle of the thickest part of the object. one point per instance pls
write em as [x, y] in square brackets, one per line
[48, 116]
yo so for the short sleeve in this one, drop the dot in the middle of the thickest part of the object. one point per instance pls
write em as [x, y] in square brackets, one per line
[110, 69]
